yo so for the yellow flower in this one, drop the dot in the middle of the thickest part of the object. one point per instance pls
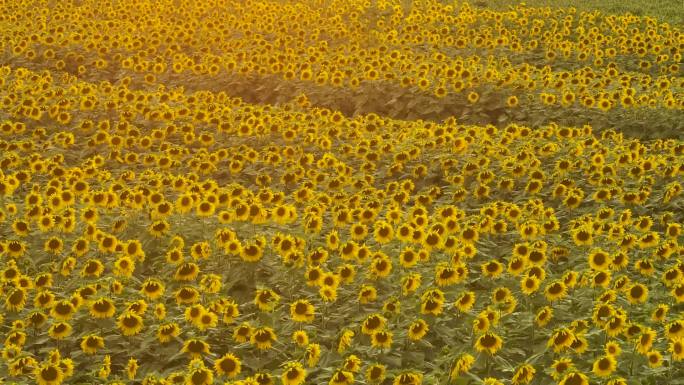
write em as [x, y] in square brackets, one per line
[102, 308]
[408, 378]
[488, 342]
[302, 311]
[228, 365]
[381, 339]
[312, 354]
[512, 101]
[91, 343]
[293, 374]
[167, 332]
[574, 378]
[604, 366]
[195, 348]
[263, 338]
[655, 359]
[266, 299]
[152, 288]
[375, 374]
[49, 374]
[677, 349]
[345, 340]
[132, 368]
[523, 374]
[130, 323]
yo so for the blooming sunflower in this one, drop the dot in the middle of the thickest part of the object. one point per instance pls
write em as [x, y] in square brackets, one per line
[263, 338]
[375, 374]
[130, 323]
[294, 373]
[342, 377]
[195, 348]
[228, 365]
[604, 366]
[488, 342]
[91, 344]
[49, 374]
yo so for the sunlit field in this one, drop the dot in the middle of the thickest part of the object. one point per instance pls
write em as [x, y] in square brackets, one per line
[338, 192]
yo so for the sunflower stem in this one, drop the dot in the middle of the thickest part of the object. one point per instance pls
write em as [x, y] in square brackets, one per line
[631, 363]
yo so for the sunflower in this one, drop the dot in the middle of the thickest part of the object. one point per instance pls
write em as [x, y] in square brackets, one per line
[446, 275]
[604, 366]
[465, 301]
[159, 227]
[152, 288]
[228, 365]
[645, 340]
[294, 374]
[130, 323]
[381, 339]
[312, 354]
[91, 343]
[242, 333]
[637, 293]
[574, 378]
[302, 311]
[59, 330]
[555, 291]
[37, 319]
[677, 349]
[655, 359]
[345, 340]
[380, 267]
[263, 338]
[383, 232]
[124, 266]
[375, 374]
[432, 302]
[187, 271]
[198, 374]
[544, 316]
[195, 348]
[492, 269]
[263, 378]
[49, 374]
[187, 295]
[417, 330]
[675, 329]
[16, 249]
[16, 301]
[342, 377]
[372, 323]
[678, 292]
[102, 308]
[561, 339]
[612, 348]
[599, 260]
[582, 237]
[560, 367]
[167, 332]
[523, 374]
[266, 299]
[63, 310]
[530, 284]
[54, 245]
[488, 342]
[461, 365]
[408, 258]
[300, 338]
[408, 378]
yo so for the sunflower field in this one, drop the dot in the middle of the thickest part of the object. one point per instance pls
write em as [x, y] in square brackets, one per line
[338, 192]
